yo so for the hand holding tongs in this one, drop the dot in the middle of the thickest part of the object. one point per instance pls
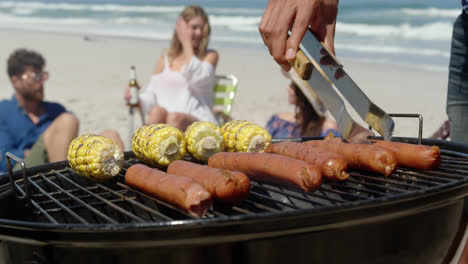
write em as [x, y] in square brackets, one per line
[323, 74]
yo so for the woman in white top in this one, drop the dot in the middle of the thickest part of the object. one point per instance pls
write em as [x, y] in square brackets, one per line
[181, 88]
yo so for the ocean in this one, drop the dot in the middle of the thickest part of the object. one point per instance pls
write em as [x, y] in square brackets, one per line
[414, 33]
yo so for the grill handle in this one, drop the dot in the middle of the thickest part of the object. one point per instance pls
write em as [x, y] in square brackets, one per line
[419, 116]
[27, 195]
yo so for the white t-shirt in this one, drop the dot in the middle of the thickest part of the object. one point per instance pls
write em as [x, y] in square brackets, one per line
[188, 91]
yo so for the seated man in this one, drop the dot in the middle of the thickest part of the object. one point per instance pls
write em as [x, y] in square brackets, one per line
[31, 128]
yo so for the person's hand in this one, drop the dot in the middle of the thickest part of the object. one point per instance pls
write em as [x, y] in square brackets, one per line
[26, 152]
[280, 15]
[183, 32]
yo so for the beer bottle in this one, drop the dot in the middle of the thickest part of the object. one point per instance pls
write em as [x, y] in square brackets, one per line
[134, 88]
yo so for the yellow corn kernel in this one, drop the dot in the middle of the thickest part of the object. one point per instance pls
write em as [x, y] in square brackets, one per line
[95, 157]
[244, 136]
[158, 144]
[203, 140]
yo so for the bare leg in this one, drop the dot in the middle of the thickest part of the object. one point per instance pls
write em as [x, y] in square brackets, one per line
[58, 136]
[180, 120]
[157, 114]
[115, 136]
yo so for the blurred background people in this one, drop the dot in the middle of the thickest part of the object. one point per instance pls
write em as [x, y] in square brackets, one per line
[31, 128]
[309, 119]
[181, 88]
[35, 130]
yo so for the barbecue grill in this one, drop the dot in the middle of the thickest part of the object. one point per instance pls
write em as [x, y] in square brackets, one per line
[48, 214]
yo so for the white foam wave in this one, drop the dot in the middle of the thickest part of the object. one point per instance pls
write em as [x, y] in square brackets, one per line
[246, 40]
[392, 50]
[22, 11]
[34, 6]
[423, 66]
[13, 20]
[238, 11]
[133, 20]
[91, 7]
[432, 12]
[236, 23]
[431, 31]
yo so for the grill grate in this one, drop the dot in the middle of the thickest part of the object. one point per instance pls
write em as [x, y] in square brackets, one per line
[61, 196]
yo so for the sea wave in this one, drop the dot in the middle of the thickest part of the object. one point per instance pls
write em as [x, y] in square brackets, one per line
[430, 31]
[423, 66]
[238, 39]
[32, 7]
[236, 23]
[7, 20]
[92, 7]
[432, 12]
[387, 49]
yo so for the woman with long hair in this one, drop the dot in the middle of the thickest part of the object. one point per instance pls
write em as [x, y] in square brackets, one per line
[181, 88]
[308, 120]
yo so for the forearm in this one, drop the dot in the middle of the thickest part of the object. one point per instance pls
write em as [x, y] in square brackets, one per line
[188, 52]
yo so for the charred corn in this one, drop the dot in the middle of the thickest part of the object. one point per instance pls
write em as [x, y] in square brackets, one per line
[158, 144]
[203, 140]
[244, 136]
[95, 157]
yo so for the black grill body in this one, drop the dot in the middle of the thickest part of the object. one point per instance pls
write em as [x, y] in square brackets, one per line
[410, 217]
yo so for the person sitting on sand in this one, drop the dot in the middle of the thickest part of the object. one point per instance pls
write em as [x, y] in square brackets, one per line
[31, 128]
[181, 88]
[309, 119]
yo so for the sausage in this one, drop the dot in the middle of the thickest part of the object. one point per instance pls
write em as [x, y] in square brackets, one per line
[176, 190]
[224, 185]
[270, 168]
[413, 156]
[361, 156]
[333, 165]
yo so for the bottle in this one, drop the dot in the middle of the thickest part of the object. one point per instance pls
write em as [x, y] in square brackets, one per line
[134, 88]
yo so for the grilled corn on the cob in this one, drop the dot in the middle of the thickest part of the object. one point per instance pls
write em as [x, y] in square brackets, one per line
[158, 144]
[244, 136]
[95, 157]
[203, 140]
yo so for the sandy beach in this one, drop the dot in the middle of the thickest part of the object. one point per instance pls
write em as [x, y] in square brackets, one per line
[88, 75]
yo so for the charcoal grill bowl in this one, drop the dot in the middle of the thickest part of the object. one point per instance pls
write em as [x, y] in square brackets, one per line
[417, 228]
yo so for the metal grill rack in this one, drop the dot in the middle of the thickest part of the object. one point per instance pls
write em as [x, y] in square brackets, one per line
[60, 196]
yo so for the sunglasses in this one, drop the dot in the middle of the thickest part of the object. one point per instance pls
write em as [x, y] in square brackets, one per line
[37, 77]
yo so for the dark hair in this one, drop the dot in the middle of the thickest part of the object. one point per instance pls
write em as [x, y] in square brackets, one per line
[309, 121]
[22, 58]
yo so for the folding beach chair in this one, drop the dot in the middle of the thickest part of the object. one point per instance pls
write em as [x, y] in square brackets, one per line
[224, 93]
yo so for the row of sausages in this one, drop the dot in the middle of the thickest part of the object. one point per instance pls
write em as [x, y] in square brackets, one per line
[192, 186]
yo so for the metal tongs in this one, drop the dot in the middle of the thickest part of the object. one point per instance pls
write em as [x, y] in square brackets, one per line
[325, 78]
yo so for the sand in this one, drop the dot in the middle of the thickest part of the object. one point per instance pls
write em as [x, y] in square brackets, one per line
[89, 74]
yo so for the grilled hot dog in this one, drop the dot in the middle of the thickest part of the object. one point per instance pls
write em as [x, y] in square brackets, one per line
[333, 165]
[270, 168]
[177, 190]
[361, 156]
[224, 185]
[413, 156]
